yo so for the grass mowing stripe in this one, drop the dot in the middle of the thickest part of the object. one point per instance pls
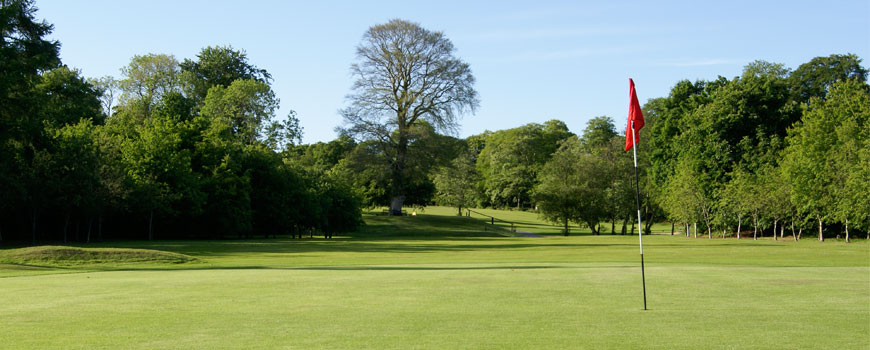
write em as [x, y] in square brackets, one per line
[432, 281]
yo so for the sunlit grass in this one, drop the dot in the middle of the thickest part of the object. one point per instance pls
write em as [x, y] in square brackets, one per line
[438, 281]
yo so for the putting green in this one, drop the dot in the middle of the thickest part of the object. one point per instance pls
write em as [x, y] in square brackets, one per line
[434, 281]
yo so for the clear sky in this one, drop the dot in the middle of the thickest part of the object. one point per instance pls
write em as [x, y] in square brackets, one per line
[533, 60]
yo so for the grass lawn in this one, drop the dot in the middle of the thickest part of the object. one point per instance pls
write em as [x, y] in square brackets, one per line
[438, 281]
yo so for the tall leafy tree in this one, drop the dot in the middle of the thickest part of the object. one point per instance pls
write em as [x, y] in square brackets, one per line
[815, 78]
[456, 183]
[571, 187]
[246, 106]
[25, 52]
[147, 78]
[824, 155]
[218, 66]
[68, 98]
[511, 160]
[405, 73]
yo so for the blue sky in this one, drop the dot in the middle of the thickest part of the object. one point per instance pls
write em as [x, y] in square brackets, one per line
[533, 60]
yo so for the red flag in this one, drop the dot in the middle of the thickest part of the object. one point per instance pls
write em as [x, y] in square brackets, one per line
[634, 114]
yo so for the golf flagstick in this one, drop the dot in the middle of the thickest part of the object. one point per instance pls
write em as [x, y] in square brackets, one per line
[635, 123]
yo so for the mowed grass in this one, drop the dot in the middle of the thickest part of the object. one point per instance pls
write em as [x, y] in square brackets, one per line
[438, 281]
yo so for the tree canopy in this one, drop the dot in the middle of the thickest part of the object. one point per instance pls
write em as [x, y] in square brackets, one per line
[404, 74]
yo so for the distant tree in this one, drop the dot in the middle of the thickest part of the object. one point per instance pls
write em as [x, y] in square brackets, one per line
[109, 90]
[685, 198]
[24, 54]
[738, 198]
[321, 157]
[76, 166]
[824, 158]
[619, 192]
[68, 98]
[599, 131]
[571, 188]
[456, 183]
[246, 106]
[218, 66]
[158, 167]
[368, 167]
[147, 78]
[815, 78]
[405, 74]
[511, 159]
[280, 135]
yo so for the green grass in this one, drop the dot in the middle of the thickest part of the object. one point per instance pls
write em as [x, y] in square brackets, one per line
[437, 281]
[62, 256]
[532, 222]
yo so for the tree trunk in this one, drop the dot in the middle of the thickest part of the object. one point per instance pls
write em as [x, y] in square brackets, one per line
[647, 225]
[723, 232]
[755, 227]
[800, 232]
[709, 231]
[151, 225]
[821, 236]
[624, 226]
[774, 229]
[672, 228]
[792, 231]
[65, 226]
[399, 166]
[687, 230]
[847, 230]
[33, 218]
[565, 224]
[613, 226]
[781, 231]
[396, 205]
[696, 230]
[739, 222]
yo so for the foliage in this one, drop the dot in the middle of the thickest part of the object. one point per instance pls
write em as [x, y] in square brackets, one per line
[218, 66]
[825, 161]
[456, 183]
[511, 160]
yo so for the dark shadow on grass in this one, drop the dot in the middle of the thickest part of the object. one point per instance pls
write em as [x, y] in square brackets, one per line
[348, 268]
[214, 249]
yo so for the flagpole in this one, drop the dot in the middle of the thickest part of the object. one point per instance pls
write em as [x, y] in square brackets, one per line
[639, 224]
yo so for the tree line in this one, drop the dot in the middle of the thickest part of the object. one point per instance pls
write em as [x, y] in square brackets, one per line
[189, 149]
[773, 145]
[193, 148]
[773, 151]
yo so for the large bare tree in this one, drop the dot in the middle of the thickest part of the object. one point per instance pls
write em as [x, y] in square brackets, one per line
[405, 74]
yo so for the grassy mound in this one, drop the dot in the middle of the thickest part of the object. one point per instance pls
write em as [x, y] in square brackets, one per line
[61, 255]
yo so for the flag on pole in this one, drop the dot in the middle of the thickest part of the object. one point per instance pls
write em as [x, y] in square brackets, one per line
[634, 114]
[635, 122]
